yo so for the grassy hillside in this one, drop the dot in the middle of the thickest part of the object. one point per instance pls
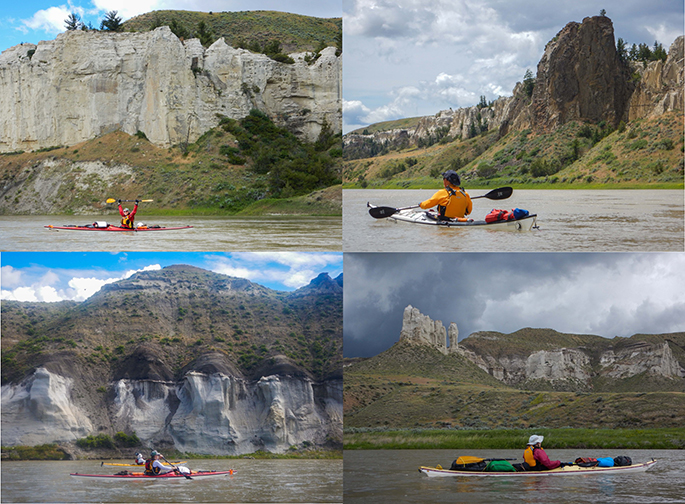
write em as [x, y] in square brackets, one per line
[232, 168]
[295, 32]
[644, 153]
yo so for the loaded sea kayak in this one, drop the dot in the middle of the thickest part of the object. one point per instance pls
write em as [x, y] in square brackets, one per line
[569, 470]
[139, 465]
[169, 475]
[112, 227]
[428, 217]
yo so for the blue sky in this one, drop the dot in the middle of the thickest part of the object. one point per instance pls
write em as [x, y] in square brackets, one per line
[408, 58]
[57, 276]
[35, 20]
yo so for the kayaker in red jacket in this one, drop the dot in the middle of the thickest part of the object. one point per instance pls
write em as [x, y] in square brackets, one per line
[452, 201]
[127, 216]
[535, 458]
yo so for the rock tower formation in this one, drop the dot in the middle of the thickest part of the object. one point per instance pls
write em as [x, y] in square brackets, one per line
[419, 329]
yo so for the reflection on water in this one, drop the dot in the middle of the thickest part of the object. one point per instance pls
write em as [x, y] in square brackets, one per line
[235, 234]
[569, 220]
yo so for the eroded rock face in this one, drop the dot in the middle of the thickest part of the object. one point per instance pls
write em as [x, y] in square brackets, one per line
[84, 84]
[41, 410]
[419, 329]
[205, 413]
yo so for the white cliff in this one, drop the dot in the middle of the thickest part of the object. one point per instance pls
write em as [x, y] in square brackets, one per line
[212, 414]
[86, 83]
[41, 410]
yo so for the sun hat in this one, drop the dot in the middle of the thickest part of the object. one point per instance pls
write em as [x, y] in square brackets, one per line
[535, 439]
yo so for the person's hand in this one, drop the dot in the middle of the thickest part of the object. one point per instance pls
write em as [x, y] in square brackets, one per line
[119, 201]
[137, 201]
[176, 470]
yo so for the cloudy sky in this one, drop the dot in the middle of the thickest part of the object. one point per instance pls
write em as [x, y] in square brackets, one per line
[57, 276]
[604, 294]
[407, 58]
[35, 20]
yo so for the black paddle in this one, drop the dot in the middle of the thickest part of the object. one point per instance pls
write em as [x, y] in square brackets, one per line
[382, 212]
[186, 476]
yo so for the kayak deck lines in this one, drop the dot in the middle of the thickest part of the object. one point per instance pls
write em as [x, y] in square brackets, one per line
[571, 470]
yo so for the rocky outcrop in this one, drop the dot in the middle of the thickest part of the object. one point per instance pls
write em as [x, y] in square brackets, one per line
[86, 83]
[565, 367]
[213, 414]
[660, 87]
[579, 78]
[419, 329]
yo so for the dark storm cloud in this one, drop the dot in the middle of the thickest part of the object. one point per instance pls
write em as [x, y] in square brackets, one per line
[605, 294]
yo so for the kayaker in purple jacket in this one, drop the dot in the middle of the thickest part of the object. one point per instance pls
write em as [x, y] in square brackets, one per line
[535, 458]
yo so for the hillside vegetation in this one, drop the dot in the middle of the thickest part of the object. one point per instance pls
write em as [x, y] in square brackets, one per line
[249, 29]
[160, 324]
[644, 153]
[228, 169]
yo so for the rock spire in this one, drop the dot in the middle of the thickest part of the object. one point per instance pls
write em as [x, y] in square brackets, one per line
[419, 329]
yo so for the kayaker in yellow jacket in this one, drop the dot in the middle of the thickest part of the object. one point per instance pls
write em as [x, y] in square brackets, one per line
[535, 458]
[154, 467]
[453, 202]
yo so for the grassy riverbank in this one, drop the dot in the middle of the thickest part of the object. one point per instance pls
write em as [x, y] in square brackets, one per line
[500, 439]
[57, 452]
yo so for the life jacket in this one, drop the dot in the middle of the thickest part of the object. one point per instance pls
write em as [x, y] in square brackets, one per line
[127, 221]
[452, 193]
[149, 469]
[529, 458]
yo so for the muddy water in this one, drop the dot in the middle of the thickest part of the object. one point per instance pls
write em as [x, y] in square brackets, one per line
[253, 481]
[569, 221]
[235, 234]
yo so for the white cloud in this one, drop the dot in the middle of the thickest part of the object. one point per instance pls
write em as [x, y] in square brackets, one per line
[10, 276]
[46, 288]
[50, 20]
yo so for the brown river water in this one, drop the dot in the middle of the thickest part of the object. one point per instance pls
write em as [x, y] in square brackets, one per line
[392, 476]
[234, 234]
[254, 481]
[569, 221]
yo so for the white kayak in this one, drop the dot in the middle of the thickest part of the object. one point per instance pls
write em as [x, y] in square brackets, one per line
[428, 217]
[571, 470]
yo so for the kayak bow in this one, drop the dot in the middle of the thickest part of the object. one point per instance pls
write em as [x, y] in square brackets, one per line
[135, 465]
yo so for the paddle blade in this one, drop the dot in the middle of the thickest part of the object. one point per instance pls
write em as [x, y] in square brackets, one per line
[382, 212]
[498, 194]
[110, 200]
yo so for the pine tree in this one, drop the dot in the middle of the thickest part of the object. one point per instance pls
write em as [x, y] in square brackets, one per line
[112, 22]
[73, 22]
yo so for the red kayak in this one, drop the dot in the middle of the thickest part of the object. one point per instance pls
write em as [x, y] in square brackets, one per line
[140, 475]
[111, 227]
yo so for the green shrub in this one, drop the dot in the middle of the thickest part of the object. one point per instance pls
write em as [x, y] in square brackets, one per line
[93, 442]
[124, 440]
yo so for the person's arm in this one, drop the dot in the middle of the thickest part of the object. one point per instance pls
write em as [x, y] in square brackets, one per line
[469, 204]
[121, 210]
[543, 459]
[162, 468]
[439, 198]
[135, 209]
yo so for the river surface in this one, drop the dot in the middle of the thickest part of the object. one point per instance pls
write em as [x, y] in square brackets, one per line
[392, 476]
[253, 481]
[235, 234]
[569, 221]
